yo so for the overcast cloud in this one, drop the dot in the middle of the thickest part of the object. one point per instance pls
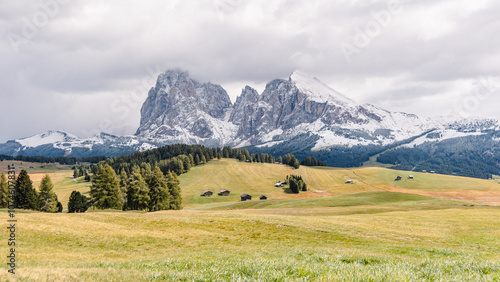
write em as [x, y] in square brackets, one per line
[85, 66]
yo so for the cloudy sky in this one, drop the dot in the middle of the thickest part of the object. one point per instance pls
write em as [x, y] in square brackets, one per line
[85, 66]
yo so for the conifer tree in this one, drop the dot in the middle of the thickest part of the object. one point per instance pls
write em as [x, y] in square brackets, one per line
[146, 171]
[59, 207]
[158, 191]
[4, 191]
[105, 192]
[137, 191]
[47, 197]
[76, 173]
[174, 190]
[77, 202]
[124, 179]
[26, 196]
[196, 159]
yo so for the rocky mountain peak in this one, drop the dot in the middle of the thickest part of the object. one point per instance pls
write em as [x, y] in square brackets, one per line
[317, 90]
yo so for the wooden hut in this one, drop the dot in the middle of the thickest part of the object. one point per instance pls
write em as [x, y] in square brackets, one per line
[224, 192]
[207, 194]
[263, 197]
[245, 197]
[398, 178]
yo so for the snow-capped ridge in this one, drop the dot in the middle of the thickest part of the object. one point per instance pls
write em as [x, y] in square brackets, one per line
[48, 137]
[317, 90]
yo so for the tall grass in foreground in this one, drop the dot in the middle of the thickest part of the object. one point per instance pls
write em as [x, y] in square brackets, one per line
[275, 265]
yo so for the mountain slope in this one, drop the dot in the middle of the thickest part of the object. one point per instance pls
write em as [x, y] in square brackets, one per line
[179, 109]
[59, 143]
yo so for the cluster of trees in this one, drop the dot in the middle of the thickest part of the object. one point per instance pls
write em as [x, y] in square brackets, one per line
[60, 160]
[29, 198]
[473, 156]
[169, 156]
[296, 183]
[290, 160]
[311, 161]
[144, 188]
[78, 202]
[81, 171]
[244, 155]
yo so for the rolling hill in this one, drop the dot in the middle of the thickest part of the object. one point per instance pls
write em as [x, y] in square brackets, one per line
[258, 179]
[375, 229]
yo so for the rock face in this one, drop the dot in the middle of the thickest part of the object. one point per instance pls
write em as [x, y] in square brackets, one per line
[179, 109]
[183, 109]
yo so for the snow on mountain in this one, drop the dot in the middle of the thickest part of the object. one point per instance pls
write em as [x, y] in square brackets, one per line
[318, 91]
[179, 109]
[295, 112]
[48, 137]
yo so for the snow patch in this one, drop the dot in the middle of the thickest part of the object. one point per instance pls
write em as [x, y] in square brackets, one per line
[49, 137]
[317, 90]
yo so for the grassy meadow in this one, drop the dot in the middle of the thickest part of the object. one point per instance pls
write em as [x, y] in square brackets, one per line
[431, 228]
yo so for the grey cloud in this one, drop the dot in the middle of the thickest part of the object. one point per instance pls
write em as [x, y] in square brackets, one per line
[92, 47]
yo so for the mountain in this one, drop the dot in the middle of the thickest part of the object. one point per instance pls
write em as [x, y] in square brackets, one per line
[179, 109]
[299, 115]
[59, 143]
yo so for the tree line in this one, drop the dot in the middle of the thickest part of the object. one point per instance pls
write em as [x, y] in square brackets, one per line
[245, 156]
[60, 159]
[144, 188]
[27, 197]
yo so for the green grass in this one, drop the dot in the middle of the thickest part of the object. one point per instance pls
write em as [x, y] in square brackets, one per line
[335, 232]
[336, 243]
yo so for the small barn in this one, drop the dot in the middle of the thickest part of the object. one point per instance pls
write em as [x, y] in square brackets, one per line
[224, 192]
[263, 197]
[278, 184]
[349, 181]
[411, 176]
[207, 194]
[398, 178]
[245, 197]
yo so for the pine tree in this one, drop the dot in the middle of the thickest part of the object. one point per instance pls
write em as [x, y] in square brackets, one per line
[59, 207]
[26, 196]
[74, 202]
[47, 197]
[123, 188]
[105, 192]
[4, 191]
[146, 171]
[76, 173]
[137, 191]
[77, 202]
[196, 159]
[158, 191]
[174, 190]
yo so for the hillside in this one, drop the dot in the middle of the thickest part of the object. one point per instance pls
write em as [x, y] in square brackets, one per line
[258, 179]
[376, 229]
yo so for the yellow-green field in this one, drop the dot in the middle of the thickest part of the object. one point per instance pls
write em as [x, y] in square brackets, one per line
[376, 229]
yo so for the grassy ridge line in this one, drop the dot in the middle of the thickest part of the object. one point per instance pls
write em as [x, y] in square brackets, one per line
[257, 179]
